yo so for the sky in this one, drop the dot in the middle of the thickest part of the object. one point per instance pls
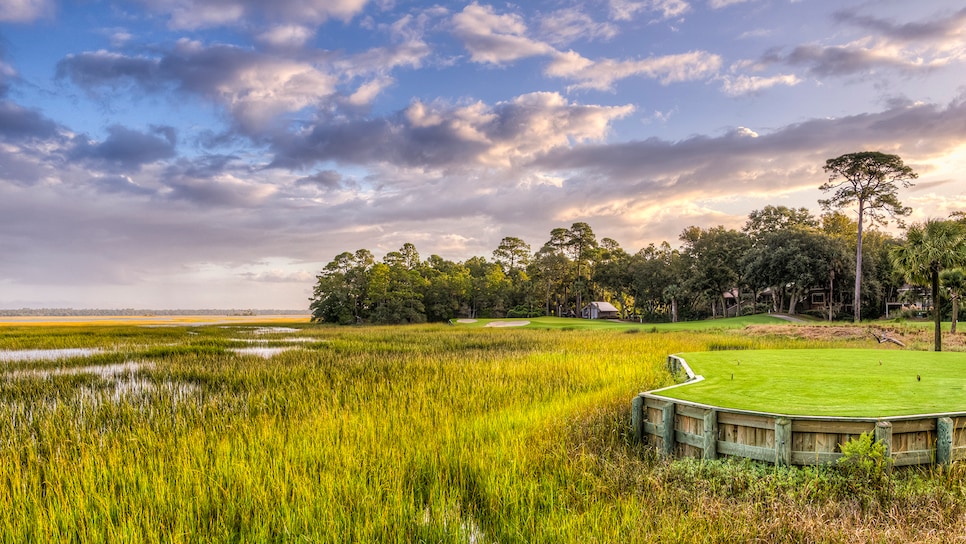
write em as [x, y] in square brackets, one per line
[218, 153]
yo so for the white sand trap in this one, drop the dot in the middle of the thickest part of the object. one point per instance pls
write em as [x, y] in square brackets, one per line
[466, 321]
[507, 323]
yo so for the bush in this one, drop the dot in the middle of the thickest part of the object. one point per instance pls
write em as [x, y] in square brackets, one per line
[525, 311]
[865, 464]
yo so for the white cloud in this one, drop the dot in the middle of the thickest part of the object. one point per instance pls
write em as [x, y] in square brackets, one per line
[197, 14]
[626, 10]
[568, 25]
[495, 39]
[740, 85]
[718, 4]
[25, 11]
[602, 74]
[286, 36]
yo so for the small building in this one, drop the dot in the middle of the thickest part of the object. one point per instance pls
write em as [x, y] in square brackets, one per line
[599, 310]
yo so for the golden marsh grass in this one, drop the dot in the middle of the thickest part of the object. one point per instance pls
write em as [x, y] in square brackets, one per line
[425, 433]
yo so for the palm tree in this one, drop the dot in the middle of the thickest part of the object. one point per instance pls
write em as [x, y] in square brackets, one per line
[955, 283]
[930, 248]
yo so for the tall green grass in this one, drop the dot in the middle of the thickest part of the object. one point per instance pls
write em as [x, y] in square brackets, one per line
[413, 434]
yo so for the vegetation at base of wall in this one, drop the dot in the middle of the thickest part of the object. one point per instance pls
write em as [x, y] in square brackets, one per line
[865, 464]
[421, 433]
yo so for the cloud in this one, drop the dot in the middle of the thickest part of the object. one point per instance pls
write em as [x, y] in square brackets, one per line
[280, 276]
[626, 10]
[18, 123]
[718, 4]
[222, 191]
[444, 136]
[196, 14]
[286, 36]
[692, 169]
[495, 39]
[568, 25]
[943, 27]
[119, 184]
[126, 149]
[256, 89]
[92, 70]
[25, 11]
[325, 180]
[911, 48]
[602, 74]
[743, 84]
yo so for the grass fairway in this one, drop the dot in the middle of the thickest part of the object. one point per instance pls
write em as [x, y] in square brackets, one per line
[569, 323]
[828, 382]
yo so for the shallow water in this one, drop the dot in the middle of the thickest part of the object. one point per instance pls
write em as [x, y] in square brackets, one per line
[12, 356]
[273, 330]
[104, 371]
[265, 352]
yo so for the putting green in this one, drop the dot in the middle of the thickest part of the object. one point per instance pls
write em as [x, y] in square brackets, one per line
[828, 382]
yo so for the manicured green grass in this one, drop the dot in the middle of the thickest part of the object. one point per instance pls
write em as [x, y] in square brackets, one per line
[601, 324]
[828, 382]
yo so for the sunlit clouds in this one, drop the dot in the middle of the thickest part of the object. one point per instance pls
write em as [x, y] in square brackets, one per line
[185, 154]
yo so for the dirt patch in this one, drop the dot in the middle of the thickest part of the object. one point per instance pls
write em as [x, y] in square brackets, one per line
[912, 336]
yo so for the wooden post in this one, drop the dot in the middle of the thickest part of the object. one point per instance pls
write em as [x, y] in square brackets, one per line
[673, 366]
[710, 435]
[944, 441]
[637, 419]
[668, 435]
[883, 435]
[783, 441]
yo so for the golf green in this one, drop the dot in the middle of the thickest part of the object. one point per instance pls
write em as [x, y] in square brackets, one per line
[827, 382]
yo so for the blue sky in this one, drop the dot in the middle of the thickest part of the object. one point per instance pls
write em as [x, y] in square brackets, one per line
[216, 154]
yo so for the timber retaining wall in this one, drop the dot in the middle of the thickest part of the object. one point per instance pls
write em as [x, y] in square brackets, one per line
[688, 429]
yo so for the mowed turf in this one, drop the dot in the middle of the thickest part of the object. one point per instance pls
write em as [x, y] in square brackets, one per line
[570, 323]
[828, 382]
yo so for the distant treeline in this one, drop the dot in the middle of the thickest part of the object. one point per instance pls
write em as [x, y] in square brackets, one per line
[61, 312]
[783, 260]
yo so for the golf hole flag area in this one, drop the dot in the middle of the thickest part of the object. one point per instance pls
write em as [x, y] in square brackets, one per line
[798, 406]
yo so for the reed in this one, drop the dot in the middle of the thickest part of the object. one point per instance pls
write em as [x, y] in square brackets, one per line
[426, 433]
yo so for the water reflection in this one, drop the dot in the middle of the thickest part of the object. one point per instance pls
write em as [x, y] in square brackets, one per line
[12, 356]
[265, 352]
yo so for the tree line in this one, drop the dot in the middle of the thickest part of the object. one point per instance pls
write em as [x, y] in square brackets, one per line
[783, 259]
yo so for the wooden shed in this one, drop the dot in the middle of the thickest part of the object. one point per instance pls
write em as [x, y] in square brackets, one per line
[599, 310]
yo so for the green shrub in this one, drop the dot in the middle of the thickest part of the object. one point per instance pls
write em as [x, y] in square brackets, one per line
[864, 463]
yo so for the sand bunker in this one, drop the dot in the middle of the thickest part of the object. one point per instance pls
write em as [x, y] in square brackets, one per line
[507, 323]
[466, 321]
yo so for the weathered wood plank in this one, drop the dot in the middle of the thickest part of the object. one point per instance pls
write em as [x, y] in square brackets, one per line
[744, 450]
[746, 420]
[915, 457]
[691, 411]
[913, 425]
[831, 427]
[814, 458]
[690, 439]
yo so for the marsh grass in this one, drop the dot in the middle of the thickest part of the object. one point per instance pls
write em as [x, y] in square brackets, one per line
[427, 433]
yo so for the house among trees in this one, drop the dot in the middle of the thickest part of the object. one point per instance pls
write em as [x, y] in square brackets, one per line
[599, 310]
